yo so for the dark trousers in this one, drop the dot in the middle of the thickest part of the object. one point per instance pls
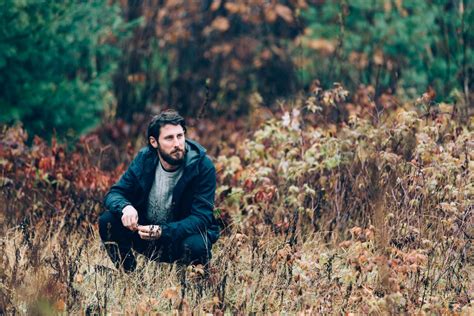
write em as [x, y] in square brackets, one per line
[119, 241]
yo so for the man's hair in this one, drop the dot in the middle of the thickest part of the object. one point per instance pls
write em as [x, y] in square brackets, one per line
[162, 119]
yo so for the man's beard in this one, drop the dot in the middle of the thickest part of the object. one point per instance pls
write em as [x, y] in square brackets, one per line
[170, 159]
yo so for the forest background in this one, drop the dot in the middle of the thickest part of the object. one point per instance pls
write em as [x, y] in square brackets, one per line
[341, 132]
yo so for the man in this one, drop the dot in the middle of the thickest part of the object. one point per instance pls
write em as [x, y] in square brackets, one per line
[162, 206]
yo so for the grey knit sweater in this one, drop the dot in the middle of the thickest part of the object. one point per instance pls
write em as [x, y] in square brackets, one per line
[161, 194]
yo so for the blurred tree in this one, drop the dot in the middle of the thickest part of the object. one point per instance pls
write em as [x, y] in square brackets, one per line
[56, 62]
[398, 46]
[242, 47]
[57, 58]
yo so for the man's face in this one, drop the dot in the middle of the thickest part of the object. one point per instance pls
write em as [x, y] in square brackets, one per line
[171, 144]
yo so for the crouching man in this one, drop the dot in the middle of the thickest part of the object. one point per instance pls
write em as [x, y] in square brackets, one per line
[162, 206]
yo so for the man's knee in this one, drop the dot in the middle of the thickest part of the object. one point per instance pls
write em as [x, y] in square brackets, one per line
[108, 223]
[196, 249]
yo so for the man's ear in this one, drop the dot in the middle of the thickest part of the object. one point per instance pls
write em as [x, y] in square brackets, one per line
[153, 142]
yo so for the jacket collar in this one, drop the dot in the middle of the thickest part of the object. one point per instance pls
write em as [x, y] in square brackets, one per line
[194, 152]
[145, 168]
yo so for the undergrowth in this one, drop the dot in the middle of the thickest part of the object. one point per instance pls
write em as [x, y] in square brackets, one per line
[327, 207]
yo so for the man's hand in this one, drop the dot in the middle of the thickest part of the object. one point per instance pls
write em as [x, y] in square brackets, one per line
[149, 232]
[130, 217]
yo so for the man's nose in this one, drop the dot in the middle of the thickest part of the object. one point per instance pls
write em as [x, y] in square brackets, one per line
[175, 142]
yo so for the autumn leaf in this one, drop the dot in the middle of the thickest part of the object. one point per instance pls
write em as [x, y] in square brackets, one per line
[60, 305]
[170, 293]
[233, 7]
[378, 57]
[221, 24]
[270, 15]
[215, 5]
[136, 78]
[322, 45]
[284, 12]
[45, 163]
[79, 278]
[446, 108]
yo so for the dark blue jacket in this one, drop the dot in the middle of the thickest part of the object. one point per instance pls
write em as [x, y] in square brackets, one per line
[193, 195]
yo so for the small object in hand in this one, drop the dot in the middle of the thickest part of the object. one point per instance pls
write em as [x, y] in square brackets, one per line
[149, 232]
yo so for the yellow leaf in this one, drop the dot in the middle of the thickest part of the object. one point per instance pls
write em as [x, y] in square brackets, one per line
[79, 278]
[221, 24]
[378, 57]
[270, 15]
[284, 12]
[446, 108]
[170, 293]
[323, 45]
[234, 7]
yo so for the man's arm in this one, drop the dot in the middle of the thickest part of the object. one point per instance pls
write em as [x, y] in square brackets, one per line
[119, 199]
[201, 215]
[121, 193]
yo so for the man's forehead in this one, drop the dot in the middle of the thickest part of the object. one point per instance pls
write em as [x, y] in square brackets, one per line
[170, 129]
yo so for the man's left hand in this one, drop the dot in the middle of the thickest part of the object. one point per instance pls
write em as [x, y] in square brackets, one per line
[149, 232]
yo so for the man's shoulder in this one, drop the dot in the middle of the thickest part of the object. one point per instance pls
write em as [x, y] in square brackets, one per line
[197, 153]
[144, 157]
[195, 146]
[206, 161]
[143, 153]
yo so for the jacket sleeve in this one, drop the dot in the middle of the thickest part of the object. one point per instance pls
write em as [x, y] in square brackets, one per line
[123, 192]
[201, 214]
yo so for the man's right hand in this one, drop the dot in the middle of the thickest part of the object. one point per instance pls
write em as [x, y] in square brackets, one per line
[130, 217]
